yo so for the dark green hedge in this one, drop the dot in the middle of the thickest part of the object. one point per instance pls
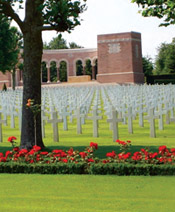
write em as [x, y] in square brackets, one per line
[60, 168]
[84, 168]
[131, 169]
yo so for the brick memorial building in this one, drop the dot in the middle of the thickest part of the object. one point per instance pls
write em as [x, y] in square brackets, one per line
[118, 58]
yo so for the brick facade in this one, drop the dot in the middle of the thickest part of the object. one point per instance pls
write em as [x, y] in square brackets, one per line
[119, 60]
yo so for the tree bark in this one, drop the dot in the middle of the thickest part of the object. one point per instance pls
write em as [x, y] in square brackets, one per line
[33, 46]
[13, 79]
[31, 88]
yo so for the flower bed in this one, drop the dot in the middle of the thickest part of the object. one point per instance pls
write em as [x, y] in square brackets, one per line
[72, 161]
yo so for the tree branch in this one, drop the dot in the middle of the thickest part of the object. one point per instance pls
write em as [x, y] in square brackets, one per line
[9, 11]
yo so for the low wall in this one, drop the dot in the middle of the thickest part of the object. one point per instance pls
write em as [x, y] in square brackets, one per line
[84, 78]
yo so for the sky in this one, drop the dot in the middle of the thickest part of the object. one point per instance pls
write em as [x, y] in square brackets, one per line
[116, 16]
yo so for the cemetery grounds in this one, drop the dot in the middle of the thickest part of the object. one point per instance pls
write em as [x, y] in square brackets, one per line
[90, 193]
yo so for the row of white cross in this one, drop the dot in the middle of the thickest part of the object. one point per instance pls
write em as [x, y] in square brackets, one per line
[120, 104]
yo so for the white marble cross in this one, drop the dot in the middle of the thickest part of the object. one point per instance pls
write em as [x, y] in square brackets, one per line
[151, 118]
[78, 116]
[115, 120]
[95, 119]
[64, 114]
[130, 116]
[1, 122]
[55, 122]
[43, 119]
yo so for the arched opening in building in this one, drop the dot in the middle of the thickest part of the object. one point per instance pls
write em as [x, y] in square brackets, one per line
[63, 71]
[44, 71]
[96, 68]
[88, 68]
[53, 71]
[79, 68]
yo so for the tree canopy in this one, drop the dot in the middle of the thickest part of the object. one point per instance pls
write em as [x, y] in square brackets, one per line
[60, 43]
[163, 9]
[9, 50]
[39, 15]
[147, 66]
[165, 60]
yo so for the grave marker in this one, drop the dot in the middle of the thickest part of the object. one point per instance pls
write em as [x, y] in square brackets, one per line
[55, 122]
[1, 122]
[151, 118]
[114, 120]
[95, 119]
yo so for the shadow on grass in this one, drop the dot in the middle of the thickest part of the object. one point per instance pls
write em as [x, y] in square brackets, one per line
[102, 150]
[100, 153]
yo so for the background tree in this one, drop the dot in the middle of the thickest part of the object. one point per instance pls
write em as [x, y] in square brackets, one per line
[40, 15]
[60, 43]
[165, 60]
[147, 66]
[17, 44]
[56, 43]
[10, 44]
[73, 45]
[158, 8]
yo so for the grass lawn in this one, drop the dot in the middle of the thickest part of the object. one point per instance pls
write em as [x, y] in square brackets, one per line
[81, 193]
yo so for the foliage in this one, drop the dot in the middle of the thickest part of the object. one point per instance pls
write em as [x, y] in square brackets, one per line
[79, 68]
[147, 66]
[60, 43]
[63, 71]
[158, 8]
[88, 69]
[10, 40]
[165, 60]
[58, 15]
[73, 45]
[56, 43]
[4, 88]
[36, 155]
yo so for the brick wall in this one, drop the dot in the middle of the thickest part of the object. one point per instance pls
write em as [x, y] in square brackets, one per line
[120, 58]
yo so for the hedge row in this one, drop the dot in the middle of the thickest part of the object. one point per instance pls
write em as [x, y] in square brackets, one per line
[84, 168]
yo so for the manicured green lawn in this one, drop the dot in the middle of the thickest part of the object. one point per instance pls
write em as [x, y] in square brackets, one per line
[73, 193]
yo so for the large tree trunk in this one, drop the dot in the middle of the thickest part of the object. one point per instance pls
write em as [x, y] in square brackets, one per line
[13, 79]
[31, 86]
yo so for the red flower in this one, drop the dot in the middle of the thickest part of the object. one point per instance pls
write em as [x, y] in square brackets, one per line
[173, 150]
[90, 160]
[64, 160]
[94, 145]
[32, 151]
[105, 161]
[36, 148]
[31, 161]
[11, 139]
[111, 154]
[63, 154]
[23, 152]
[57, 151]
[162, 149]
[121, 142]
[43, 153]
[16, 149]
[1, 155]
[137, 156]
[83, 154]
[3, 159]
[8, 153]
[70, 152]
[123, 156]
